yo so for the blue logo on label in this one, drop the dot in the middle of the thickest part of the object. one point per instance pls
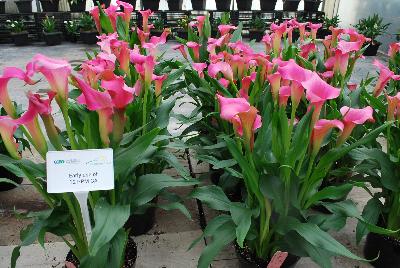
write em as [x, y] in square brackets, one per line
[58, 162]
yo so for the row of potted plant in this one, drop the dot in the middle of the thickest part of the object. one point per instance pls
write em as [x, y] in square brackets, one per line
[275, 126]
[84, 30]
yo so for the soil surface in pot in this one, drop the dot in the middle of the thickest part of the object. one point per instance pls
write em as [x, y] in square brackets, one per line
[388, 249]
[248, 259]
[130, 255]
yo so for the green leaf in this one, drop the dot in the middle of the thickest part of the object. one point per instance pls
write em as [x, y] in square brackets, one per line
[108, 220]
[15, 255]
[116, 256]
[4, 180]
[105, 22]
[224, 235]
[176, 205]
[330, 192]
[126, 159]
[237, 34]
[241, 216]
[148, 186]
[122, 30]
[316, 237]
[370, 214]
[171, 159]
[213, 196]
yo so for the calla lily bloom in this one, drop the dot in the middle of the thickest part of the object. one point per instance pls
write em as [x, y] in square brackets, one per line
[353, 117]
[181, 48]
[246, 82]
[128, 8]
[158, 81]
[290, 70]
[302, 29]
[112, 14]
[106, 40]
[279, 30]
[392, 106]
[307, 49]
[223, 67]
[284, 94]
[30, 120]
[162, 39]
[385, 74]
[224, 82]
[230, 107]
[7, 130]
[200, 24]
[225, 29]
[195, 49]
[43, 108]
[146, 14]
[122, 52]
[394, 48]
[321, 129]
[275, 81]
[267, 40]
[296, 93]
[289, 32]
[335, 33]
[100, 102]
[352, 86]
[8, 74]
[199, 67]
[120, 93]
[341, 62]
[95, 13]
[250, 121]
[317, 92]
[314, 28]
[56, 72]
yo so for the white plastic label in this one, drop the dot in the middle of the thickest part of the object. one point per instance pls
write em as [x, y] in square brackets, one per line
[80, 170]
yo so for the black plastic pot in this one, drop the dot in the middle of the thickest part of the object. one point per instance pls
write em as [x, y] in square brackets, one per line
[2, 7]
[78, 6]
[372, 49]
[198, 4]
[52, 39]
[388, 249]
[140, 224]
[89, 37]
[311, 5]
[223, 5]
[24, 6]
[290, 5]
[268, 5]
[248, 259]
[175, 5]
[130, 255]
[106, 3]
[73, 38]
[151, 4]
[4, 173]
[256, 35]
[20, 39]
[244, 4]
[49, 6]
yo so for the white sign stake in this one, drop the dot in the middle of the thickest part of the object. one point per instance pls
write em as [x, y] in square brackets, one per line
[82, 199]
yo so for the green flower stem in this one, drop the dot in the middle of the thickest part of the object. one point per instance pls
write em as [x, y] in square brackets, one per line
[145, 97]
[64, 110]
[306, 183]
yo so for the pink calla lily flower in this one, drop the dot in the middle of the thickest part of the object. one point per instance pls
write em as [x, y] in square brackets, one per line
[290, 70]
[225, 29]
[181, 48]
[121, 94]
[394, 48]
[267, 40]
[128, 8]
[56, 72]
[158, 81]
[199, 67]
[393, 102]
[250, 121]
[8, 126]
[314, 28]
[341, 62]
[352, 86]
[200, 24]
[146, 14]
[353, 117]
[230, 107]
[385, 74]
[122, 52]
[321, 129]
[225, 83]
[195, 47]
[284, 94]
[95, 13]
[112, 14]
[223, 67]
[317, 92]
[275, 81]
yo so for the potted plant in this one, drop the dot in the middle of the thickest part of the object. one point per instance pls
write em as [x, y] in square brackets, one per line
[18, 32]
[182, 27]
[151, 4]
[175, 5]
[311, 5]
[49, 5]
[88, 33]
[290, 5]
[327, 24]
[24, 6]
[51, 35]
[223, 5]
[71, 30]
[257, 29]
[77, 5]
[383, 169]
[372, 27]
[198, 4]
[268, 5]
[158, 25]
[2, 6]
[244, 4]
